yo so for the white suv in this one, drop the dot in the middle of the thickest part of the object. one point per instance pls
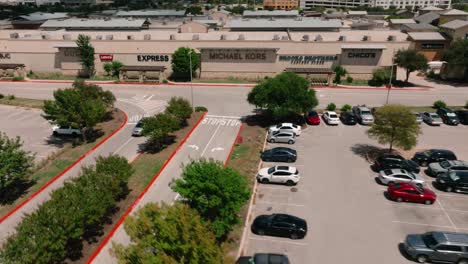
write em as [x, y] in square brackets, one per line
[65, 130]
[279, 174]
[286, 127]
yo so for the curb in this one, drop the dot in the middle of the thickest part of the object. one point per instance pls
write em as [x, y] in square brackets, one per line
[132, 206]
[233, 145]
[65, 170]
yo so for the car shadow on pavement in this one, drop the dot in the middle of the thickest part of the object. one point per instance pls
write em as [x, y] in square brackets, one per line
[401, 248]
[369, 152]
[377, 180]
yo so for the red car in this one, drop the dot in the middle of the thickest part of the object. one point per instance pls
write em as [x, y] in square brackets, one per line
[410, 192]
[312, 118]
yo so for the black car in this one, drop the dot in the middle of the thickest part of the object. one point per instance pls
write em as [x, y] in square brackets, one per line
[393, 161]
[279, 154]
[348, 118]
[423, 158]
[264, 258]
[448, 116]
[462, 116]
[283, 225]
[453, 181]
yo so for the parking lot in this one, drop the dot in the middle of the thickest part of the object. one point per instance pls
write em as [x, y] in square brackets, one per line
[33, 129]
[349, 218]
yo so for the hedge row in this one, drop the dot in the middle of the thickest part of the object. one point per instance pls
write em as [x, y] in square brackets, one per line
[76, 212]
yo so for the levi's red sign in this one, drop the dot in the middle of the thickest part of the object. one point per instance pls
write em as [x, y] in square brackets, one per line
[106, 57]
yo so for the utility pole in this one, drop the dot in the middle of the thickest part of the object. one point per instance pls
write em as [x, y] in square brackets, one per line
[191, 76]
[390, 83]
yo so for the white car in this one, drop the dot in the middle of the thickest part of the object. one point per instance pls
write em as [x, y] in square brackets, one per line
[286, 127]
[138, 129]
[331, 118]
[279, 174]
[399, 175]
[65, 130]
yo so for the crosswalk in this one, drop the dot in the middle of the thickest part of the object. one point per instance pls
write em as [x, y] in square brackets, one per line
[148, 103]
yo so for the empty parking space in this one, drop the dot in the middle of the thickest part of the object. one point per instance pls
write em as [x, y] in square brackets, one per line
[33, 129]
[345, 207]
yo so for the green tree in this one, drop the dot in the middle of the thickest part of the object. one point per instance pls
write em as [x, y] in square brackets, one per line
[82, 106]
[181, 63]
[15, 164]
[180, 108]
[339, 72]
[116, 65]
[381, 76]
[168, 234]
[395, 125]
[194, 10]
[457, 53]
[107, 68]
[158, 127]
[411, 60]
[286, 92]
[216, 192]
[86, 51]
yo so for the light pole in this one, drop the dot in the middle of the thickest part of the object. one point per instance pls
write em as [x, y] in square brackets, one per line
[191, 86]
[390, 82]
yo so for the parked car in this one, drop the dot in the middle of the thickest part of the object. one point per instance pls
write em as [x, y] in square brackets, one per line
[423, 158]
[448, 116]
[138, 129]
[264, 258]
[363, 115]
[279, 154]
[448, 247]
[462, 116]
[419, 117]
[398, 175]
[348, 118]
[283, 225]
[279, 174]
[331, 118]
[393, 161]
[432, 119]
[312, 118]
[453, 181]
[436, 168]
[410, 192]
[65, 131]
[286, 127]
[281, 137]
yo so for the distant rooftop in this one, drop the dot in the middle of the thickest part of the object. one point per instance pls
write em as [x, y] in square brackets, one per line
[151, 13]
[283, 24]
[455, 12]
[402, 21]
[357, 13]
[455, 24]
[420, 26]
[431, 8]
[266, 13]
[427, 18]
[39, 16]
[112, 24]
[426, 36]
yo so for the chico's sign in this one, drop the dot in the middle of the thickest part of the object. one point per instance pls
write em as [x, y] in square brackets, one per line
[106, 57]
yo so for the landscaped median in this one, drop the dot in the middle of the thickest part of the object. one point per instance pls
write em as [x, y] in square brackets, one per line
[23, 102]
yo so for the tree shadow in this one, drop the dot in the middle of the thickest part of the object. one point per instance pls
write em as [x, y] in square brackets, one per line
[153, 146]
[11, 194]
[265, 119]
[370, 152]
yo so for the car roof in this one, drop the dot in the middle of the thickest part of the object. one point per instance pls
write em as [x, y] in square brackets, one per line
[451, 237]
[448, 110]
[286, 168]
[330, 112]
[270, 258]
[312, 112]
[400, 171]
[286, 124]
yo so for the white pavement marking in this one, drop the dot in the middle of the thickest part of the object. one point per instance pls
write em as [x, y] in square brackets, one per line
[123, 145]
[195, 147]
[212, 136]
[278, 241]
[219, 116]
[427, 207]
[288, 204]
[216, 149]
[443, 209]
[149, 98]
[421, 224]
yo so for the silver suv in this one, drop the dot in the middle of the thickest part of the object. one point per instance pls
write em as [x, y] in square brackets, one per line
[281, 137]
[437, 168]
[448, 247]
[363, 115]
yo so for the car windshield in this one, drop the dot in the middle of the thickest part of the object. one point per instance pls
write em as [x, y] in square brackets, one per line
[427, 153]
[429, 240]
[333, 116]
[139, 124]
[453, 175]
[312, 113]
[445, 164]
[271, 170]
[450, 114]
[365, 112]
[419, 188]
[433, 115]
[278, 126]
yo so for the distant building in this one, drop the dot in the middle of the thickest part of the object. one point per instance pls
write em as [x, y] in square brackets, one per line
[428, 9]
[430, 44]
[397, 23]
[270, 14]
[309, 24]
[356, 14]
[152, 14]
[456, 29]
[428, 18]
[74, 24]
[280, 4]
[86, 2]
[193, 27]
[453, 14]
[308, 4]
[422, 27]
[35, 20]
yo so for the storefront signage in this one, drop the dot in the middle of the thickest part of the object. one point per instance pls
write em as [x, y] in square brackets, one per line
[106, 57]
[361, 55]
[238, 56]
[306, 59]
[71, 52]
[152, 58]
[5, 56]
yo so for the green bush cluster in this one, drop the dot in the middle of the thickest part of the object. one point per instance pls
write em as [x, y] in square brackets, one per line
[2, 96]
[331, 107]
[18, 78]
[439, 104]
[345, 108]
[56, 230]
[204, 109]
[11, 97]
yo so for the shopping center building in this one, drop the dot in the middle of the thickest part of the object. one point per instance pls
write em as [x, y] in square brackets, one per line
[146, 54]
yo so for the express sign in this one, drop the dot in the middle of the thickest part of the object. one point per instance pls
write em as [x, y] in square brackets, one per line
[106, 57]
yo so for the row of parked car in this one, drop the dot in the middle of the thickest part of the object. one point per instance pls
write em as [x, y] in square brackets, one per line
[406, 184]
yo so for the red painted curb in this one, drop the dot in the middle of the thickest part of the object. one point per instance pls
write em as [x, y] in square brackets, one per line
[129, 210]
[369, 88]
[233, 144]
[64, 171]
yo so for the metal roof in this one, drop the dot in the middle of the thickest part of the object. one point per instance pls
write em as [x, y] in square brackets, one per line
[455, 24]
[39, 16]
[116, 23]
[150, 13]
[402, 21]
[271, 13]
[432, 8]
[427, 18]
[455, 12]
[283, 23]
[357, 12]
[420, 26]
[426, 36]
[363, 46]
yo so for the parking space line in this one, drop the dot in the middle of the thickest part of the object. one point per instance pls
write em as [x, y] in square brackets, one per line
[274, 188]
[288, 204]
[421, 224]
[428, 207]
[123, 145]
[443, 210]
[278, 241]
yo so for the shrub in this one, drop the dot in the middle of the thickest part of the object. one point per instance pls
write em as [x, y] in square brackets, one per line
[2, 96]
[381, 76]
[11, 97]
[18, 78]
[180, 108]
[349, 79]
[204, 109]
[345, 108]
[439, 104]
[165, 81]
[331, 107]
[107, 68]
[466, 105]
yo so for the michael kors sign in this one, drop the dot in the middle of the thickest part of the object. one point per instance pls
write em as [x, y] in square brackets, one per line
[5, 56]
[250, 55]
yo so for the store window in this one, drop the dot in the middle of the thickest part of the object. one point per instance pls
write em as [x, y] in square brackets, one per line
[431, 46]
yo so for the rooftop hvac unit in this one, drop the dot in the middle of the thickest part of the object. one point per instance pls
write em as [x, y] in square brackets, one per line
[223, 37]
[276, 37]
[98, 37]
[284, 38]
[147, 37]
[172, 37]
[391, 38]
[305, 38]
[342, 38]
[14, 35]
[366, 38]
[318, 38]
[241, 37]
[109, 37]
[195, 37]
[66, 37]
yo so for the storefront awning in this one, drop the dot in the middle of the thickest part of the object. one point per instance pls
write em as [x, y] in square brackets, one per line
[66, 45]
[6, 66]
[310, 70]
[143, 68]
[361, 46]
